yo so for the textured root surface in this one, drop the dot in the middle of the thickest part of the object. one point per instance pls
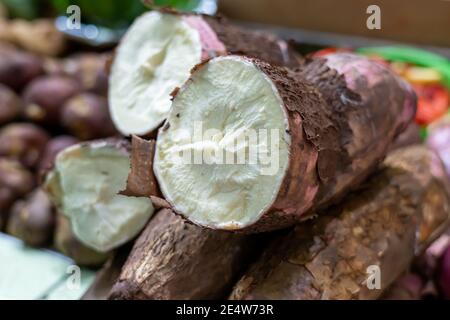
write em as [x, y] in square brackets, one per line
[341, 114]
[173, 259]
[393, 218]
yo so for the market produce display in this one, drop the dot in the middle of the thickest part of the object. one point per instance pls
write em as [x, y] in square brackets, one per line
[200, 159]
[324, 148]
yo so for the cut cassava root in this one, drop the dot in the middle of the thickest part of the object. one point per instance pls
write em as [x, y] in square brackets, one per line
[400, 211]
[157, 54]
[173, 259]
[84, 184]
[318, 132]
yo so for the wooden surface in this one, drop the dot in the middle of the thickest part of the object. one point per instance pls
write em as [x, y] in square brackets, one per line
[425, 22]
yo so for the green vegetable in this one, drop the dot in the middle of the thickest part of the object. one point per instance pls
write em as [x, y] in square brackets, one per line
[26, 9]
[108, 13]
[119, 13]
[423, 133]
[183, 5]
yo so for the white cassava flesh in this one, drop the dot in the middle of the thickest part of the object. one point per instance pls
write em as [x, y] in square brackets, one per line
[85, 183]
[154, 57]
[232, 97]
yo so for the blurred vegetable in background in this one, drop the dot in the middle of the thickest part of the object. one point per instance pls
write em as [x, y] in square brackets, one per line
[27, 9]
[183, 5]
[107, 13]
[432, 104]
[413, 56]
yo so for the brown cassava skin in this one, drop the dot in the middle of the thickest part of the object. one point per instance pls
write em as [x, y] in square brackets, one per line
[33, 220]
[53, 147]
[15, 182]
[250, 43]
[10, 105]
[18, 68]
[393, 218]
[173, 259]
[343, 113]
[141, 180]
[409, 137]
[24, 142]
[107, 275]
[86, 116]
[90, 70]
[45, 96]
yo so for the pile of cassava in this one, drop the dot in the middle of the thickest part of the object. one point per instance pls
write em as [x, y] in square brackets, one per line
[205, 161]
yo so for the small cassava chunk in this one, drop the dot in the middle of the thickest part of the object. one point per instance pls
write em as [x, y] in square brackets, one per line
[86, 116]
[39, 36]
[67, 243]
[379, 229]
[10, 105]
[52, 148]
[278, 143]
[24, 142]
[33, 220]
[175, 260]
[90, 70]
[157, 54]
[45, 97]
[18, 68]
[15, 182]
[84, 185]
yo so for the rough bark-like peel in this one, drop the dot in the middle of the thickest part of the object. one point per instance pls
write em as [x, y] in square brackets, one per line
[393, 218]
[173, 259]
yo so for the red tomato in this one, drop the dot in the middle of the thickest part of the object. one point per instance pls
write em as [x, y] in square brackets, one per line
[433, 103]
[327, 51]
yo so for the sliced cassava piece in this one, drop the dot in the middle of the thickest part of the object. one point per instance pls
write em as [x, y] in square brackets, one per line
[173, 259]
[85, 183]
[68, 244]
[156, 56]
[378, 229]
[248, 145]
